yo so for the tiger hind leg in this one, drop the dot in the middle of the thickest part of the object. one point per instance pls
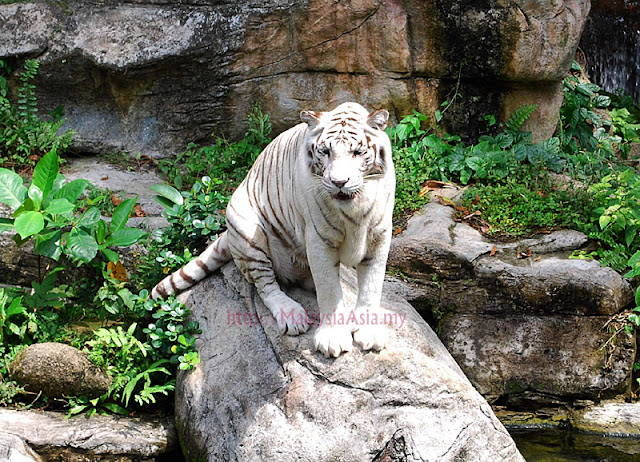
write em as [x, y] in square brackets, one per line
[216, 255]
[256, 264]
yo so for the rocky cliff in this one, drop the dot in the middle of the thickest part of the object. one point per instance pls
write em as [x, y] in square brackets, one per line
[152, 75]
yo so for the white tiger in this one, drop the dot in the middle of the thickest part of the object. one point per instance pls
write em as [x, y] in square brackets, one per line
[319, 195]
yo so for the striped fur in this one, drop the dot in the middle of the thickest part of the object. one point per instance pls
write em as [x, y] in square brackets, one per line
[319, 195]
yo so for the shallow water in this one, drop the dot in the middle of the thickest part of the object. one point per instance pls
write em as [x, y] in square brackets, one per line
[561, 445]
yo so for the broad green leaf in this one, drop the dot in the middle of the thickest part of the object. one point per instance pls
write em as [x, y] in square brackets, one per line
[29, 223]
[604, 221]
[630, 235]
[465, 175]
[12, 191]
[127, 297]
[72, 190]
[111, 255]
[15, 308]
[35, 194]
[101, 231]
[113, 407]
[46, 172]
[82, 246]
[125, 237]
[50, 244]
[90, 217]
[59, 207]
[121, 214]
[169, 192]
[26, 206]
[5, 224]
[163, 201]
[638, 296]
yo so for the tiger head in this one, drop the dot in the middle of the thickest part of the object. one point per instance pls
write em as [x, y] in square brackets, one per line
[347, 147]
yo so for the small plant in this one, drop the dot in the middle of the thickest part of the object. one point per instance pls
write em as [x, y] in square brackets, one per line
[24, 137]
[9, 311]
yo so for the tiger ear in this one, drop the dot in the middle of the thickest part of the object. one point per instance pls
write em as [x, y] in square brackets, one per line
[378, 119]
[311, 118]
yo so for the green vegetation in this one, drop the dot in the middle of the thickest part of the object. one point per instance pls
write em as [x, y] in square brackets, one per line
[581, 178]
[24, 137]
[139, 342]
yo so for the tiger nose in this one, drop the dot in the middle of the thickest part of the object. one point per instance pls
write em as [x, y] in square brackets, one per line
[340, 183]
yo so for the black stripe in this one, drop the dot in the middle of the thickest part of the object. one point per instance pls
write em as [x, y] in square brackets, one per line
[248, 241]
[348, 217]
[328, 242]
[186, 277]
[203, 266]
[173, 284]
[161, 290]
[325, 217]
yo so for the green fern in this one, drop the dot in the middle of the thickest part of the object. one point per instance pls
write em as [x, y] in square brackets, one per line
[27, 101]
[520, 116]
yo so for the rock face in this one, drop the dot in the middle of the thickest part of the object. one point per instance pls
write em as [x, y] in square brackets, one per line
[151, 76]
[79, 439]
[58, 370]
[610, 43]
[13, 449]
[526, 330]
[257, 395]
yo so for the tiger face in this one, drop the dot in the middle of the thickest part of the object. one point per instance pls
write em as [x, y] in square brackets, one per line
[344, 148]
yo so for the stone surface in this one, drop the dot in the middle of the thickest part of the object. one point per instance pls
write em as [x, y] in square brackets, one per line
[108, 176]
[58, 370]
[527, 330]
[151, 76]
[13, 449]
[530, 360]
[610, 418]
[257, 395]
[82, 439]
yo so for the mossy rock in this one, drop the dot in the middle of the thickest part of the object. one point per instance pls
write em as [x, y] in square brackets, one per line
[58, 370]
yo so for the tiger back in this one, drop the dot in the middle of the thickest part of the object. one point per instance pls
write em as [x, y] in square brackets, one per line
[318, 196]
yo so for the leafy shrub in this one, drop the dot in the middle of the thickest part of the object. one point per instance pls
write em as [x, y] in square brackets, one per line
[24, 137]
[45, 212]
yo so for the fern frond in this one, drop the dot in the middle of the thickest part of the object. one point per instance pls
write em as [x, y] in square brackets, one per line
[520, 116]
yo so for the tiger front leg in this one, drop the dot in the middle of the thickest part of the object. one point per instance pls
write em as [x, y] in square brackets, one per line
[371, 333]
[333, 335]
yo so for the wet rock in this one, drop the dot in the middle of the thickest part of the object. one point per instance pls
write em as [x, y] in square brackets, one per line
[58, 370]
[99, 438]
[610, 418]
[409, 401]
[529, 330]
[151, 76]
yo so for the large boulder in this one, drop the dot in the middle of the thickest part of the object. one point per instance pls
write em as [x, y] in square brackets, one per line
[528, 330]
[58, 370]
[151, 76]
[258, 395]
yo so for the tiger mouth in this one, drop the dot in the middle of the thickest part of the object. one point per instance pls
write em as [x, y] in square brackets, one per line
[342, 196]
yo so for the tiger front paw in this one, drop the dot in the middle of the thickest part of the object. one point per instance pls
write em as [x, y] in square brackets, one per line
[332, 340]
[371, 336]
[292, 320]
